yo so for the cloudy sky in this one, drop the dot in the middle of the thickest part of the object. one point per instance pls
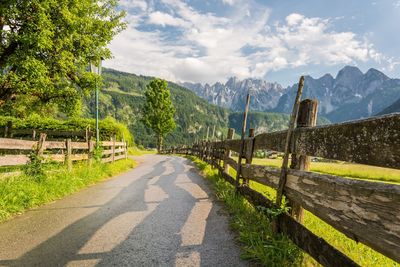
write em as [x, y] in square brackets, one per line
[210, 40]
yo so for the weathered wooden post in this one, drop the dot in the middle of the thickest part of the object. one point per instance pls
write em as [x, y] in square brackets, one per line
[113, 148]
[41, 144]
[307, 117]
[8, 129]
[239, 169]
[293, 119]
[249, 151]
[227, 155]
[68, 155]
[125, 148]
[90, 150]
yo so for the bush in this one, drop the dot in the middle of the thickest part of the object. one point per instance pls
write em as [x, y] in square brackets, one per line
[108, 126]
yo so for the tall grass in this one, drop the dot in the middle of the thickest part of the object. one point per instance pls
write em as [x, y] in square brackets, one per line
[22, 192]
[258, 241]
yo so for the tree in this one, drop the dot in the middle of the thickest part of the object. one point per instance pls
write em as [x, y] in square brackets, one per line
[158, 111]
[46, 47]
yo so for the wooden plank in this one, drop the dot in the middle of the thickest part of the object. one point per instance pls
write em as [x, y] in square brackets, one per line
[120, 144]
[55, 157]
[368, 212]
[119, 150]
[226, 176]
[79, 145]
[119, 157]
[76, 157]
[315, 246]
[232, 163]
[374, 141]
[265, 175]
[105, 160]
[272, 141]
[106, 143]
[233, 145]
[12, 160]
[55, 145]
[109, 151]
[8, 143]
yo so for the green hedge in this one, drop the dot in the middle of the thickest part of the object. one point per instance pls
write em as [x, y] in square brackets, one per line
[107, 126]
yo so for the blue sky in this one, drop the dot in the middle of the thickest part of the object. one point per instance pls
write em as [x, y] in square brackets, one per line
[208, 41]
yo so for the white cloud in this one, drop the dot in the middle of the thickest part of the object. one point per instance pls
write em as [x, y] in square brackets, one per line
[228, 2]
[129, 4]
[166, 19]
[210, 48]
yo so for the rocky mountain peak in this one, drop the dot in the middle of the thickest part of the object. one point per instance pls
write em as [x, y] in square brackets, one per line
[375, 74]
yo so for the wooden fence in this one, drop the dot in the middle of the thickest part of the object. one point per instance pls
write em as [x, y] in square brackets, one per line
[365, 211]
[16, 151]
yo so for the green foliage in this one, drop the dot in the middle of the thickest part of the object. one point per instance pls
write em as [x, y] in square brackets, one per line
[158, 111]
[35, 168]
[45, 50]
[24, 191]
[108, 127]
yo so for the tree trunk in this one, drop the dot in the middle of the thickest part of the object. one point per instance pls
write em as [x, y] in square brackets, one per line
[159, 143]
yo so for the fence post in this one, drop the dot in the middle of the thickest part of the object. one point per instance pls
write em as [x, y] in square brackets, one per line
[113, 148]
[227, 155]
[239, 168]
[8, 129]
[68, 156]
[91, 150]
[307, 117]
[125, 148]
[249, 156]
[41, 144]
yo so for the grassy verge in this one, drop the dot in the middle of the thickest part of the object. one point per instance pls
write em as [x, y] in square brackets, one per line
[22, 192]
[258, 242]
[134, 151]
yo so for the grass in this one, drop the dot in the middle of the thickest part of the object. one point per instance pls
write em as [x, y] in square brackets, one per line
[134, 151]
[22, 192]
[254, 232]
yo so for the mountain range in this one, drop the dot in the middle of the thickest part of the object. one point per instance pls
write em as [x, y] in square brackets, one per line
[348, 96]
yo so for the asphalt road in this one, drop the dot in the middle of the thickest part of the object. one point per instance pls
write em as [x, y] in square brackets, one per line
[161, 213]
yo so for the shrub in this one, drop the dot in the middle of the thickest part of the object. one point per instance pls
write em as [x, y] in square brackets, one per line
[108, 126]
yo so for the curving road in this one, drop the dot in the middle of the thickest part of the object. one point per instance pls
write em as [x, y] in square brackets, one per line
[158, 214]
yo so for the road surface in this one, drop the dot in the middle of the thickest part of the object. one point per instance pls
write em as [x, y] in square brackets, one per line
[161, 213]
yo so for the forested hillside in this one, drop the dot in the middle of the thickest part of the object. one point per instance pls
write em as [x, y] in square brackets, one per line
[122, 98]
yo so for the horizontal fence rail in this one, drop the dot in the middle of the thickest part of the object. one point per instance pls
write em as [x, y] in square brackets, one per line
[365, 211]
[16, 152]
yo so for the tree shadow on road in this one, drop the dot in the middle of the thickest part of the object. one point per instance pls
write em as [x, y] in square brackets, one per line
[180, 225]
